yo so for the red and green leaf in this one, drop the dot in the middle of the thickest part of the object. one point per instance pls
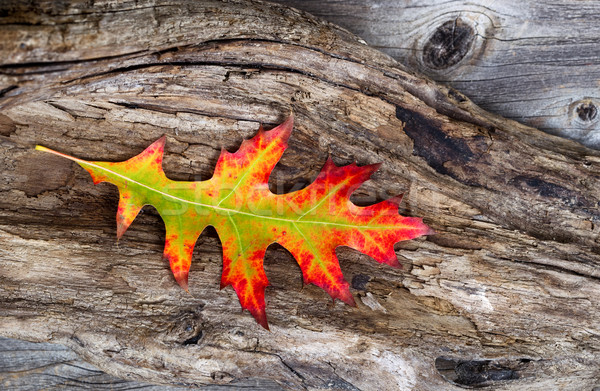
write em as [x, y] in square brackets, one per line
[310, 223]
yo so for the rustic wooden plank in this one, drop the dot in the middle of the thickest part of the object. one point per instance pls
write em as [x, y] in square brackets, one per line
[26, 366]
[503, 295]
[537, 62]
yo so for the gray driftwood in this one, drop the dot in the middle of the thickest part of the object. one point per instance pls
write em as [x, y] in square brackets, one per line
[536, 61]
[504, 295]
[49, 366]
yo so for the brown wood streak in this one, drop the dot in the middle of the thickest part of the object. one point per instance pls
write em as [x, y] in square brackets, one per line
[506, 287]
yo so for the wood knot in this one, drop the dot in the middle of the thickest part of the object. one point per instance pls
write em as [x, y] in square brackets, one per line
[587, 111]
[583, 117]
[581, 122]
[448, 45]
[194, 339]
[481, 373]
[221, 377]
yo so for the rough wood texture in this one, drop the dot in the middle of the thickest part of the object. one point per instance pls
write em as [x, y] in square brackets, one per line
[505, 294]
[48, 366]
[537, 62]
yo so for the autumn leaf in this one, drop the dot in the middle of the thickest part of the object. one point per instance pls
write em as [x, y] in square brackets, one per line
[310, 223]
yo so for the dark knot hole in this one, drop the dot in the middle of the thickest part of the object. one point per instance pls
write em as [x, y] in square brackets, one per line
[448, 45]
[587, 112]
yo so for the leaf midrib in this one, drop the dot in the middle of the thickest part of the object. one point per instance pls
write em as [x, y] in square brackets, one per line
[214, 207]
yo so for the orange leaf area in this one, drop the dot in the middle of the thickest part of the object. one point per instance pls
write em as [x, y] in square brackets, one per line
[310, 223]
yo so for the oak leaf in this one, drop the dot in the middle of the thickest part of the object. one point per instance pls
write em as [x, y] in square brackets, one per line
[310, 223]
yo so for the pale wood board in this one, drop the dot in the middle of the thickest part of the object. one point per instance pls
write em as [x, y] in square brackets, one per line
[537, 62]
[29, 366]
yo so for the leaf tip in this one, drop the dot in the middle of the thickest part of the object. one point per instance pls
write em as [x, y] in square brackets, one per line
[349, 300]
[285, 128]
[329, 164]
[424, 229]
[159, 145]
[182, 279]
[397, 199]
[393, 262]
[375, 166]
[345, 296]
[370, 169]
[121, 228]
[261, 317]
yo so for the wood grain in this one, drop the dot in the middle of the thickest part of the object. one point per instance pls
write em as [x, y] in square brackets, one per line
[47, 366]
[533, 61]
[503, 295]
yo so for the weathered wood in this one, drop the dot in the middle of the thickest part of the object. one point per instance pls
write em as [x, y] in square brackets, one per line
[47, 366]
[505, 293]
[533, 61]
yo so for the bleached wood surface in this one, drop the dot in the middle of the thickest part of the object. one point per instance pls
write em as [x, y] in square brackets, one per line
[48, 366]
[537, 62]
[504, 295]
